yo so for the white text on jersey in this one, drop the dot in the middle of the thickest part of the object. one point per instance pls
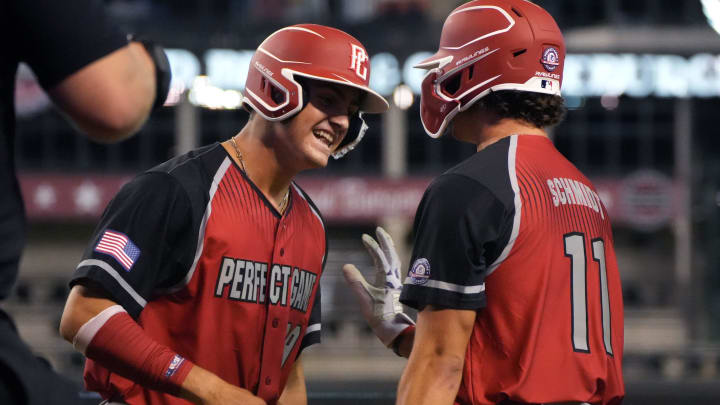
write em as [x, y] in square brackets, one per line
[245, 280]
[569, 191]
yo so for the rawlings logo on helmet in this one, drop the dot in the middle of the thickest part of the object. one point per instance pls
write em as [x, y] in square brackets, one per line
[358, 61]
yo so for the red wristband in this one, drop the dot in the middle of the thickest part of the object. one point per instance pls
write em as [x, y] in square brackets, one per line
[123, 347]
[399, 338]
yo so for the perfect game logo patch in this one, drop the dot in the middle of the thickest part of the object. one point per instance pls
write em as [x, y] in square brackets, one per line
[420, 271]
[550, 59]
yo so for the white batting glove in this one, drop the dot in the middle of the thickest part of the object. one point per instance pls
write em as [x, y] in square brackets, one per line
[380, 303]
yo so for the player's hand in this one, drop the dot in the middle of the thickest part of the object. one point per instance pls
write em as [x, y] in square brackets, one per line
[232, 395]
[205, 388]
[380, 302]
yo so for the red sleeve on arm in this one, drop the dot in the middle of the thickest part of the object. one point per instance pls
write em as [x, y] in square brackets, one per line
[123, 347]
[398, 340]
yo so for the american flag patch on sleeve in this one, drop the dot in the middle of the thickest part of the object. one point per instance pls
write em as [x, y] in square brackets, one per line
[120, 247]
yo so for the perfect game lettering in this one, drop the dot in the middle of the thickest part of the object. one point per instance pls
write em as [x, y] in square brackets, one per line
[245, 280]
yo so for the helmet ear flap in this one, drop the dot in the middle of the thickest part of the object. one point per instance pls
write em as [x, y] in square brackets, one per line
[271, 91]
[453, 84]
[304, 93]
[265, 87]
[276, 95]
[459, 81]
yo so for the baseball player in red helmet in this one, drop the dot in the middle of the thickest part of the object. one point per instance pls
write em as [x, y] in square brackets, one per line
[513, 270]
[201, 282]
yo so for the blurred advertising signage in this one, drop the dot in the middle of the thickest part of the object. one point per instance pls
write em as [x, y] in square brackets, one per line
[364, 199]
[585, 75]
[645, 200]
[66, 196]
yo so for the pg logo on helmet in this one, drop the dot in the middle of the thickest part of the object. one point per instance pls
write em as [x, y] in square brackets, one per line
[315, 52]
[359, 61]
[490, 45]
[550, 59]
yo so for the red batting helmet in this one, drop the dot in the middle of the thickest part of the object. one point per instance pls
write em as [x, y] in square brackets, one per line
[315, 52]
[490, 45]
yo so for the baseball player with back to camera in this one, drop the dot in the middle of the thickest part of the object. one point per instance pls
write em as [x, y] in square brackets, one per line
[513, 269]
[106, 85]
[201, 282]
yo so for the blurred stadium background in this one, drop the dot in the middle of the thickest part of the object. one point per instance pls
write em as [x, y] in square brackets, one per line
[642, 81]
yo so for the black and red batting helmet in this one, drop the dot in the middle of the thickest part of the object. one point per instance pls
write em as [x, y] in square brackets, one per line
[490, 45]
[314, 52]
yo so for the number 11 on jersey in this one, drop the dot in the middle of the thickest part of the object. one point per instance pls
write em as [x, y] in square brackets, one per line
[575, 250]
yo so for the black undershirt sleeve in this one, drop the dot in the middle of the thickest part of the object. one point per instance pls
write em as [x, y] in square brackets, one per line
[153, 213]
[458, 227]
[313, 334]
[57, 38]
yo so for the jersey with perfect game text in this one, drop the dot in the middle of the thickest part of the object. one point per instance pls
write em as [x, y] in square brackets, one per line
[205, 264]
[518, 234]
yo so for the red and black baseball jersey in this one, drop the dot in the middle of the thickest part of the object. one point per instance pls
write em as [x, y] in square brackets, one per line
[517, 233]
[207, 266]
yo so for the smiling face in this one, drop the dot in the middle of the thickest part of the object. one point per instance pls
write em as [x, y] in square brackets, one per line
[319, 128]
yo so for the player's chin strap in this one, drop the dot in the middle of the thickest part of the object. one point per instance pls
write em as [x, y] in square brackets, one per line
[380, 303]
[358, 127]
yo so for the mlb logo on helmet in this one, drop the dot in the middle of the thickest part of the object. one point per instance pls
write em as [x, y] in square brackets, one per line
[358, 61]
[420, 271]
[550, 59]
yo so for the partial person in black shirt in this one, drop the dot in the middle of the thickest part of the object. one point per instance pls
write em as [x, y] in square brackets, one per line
[106, 86]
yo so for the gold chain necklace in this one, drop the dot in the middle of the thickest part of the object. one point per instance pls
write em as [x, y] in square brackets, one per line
[283, 204]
